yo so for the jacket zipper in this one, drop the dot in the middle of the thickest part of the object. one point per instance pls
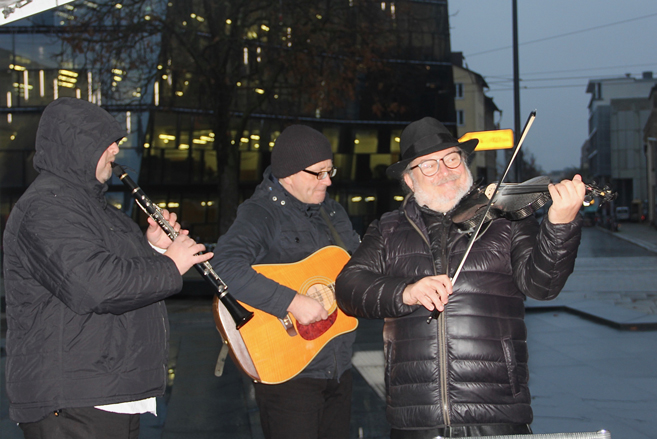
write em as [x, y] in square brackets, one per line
[442, 330]
[166, 341]
[442, 343]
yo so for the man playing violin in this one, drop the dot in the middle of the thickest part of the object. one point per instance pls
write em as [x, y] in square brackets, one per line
[463, 373]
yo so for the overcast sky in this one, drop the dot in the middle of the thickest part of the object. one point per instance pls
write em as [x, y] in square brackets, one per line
[563, 44]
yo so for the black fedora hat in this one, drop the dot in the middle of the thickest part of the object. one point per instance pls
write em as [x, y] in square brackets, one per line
[423, 137]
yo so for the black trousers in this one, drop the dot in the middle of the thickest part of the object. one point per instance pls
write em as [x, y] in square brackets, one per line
[83, 423]
[306, 408]
[474, 430]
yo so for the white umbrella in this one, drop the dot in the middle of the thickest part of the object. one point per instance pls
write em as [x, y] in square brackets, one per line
[12, 10]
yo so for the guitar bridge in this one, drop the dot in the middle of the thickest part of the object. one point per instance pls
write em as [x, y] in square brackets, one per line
[288, 325]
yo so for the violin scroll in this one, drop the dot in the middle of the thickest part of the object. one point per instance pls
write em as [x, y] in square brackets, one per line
[593, 191]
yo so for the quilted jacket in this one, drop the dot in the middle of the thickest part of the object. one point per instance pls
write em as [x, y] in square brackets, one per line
[468, 366]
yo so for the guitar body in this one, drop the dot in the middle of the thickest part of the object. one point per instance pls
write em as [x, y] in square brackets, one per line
[271, 350]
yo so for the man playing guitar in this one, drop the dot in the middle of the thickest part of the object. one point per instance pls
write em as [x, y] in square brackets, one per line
[288, 218]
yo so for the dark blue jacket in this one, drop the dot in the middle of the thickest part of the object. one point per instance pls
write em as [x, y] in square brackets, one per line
[273, 227]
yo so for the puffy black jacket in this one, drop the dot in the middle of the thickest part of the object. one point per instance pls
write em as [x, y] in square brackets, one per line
[469, 366]
[85, 321]
[273, 227]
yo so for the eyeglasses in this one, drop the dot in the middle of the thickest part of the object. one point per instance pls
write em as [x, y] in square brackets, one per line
[430, 167]
[321, 175]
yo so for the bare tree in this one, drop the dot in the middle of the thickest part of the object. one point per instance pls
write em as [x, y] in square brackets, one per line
[280, 57]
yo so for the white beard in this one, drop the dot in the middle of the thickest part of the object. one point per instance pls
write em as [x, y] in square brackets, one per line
[439, 202]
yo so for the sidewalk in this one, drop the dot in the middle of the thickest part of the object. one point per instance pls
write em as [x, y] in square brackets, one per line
[640, 234]
[587, 373]
[618, 291]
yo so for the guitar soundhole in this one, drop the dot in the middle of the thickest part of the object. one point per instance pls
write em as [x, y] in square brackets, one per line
[325, 295]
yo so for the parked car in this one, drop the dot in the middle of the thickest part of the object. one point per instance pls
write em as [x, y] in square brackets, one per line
[622, 213]
[638, 211]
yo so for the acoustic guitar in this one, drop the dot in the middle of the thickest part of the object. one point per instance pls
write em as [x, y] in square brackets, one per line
[272, 350]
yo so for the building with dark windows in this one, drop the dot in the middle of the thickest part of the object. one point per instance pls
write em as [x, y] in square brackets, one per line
[650, 147]
[172, 143]
[475, 112]
[618, 111]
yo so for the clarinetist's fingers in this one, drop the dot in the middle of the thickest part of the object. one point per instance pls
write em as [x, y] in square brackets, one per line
[202, 257]
[184, 252]
[172, 219]
[160, 235]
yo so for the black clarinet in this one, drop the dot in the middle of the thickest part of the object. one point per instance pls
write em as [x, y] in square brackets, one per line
[240, 314]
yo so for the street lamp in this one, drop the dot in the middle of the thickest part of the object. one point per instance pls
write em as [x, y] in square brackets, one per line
[650, 158]
[516, 89]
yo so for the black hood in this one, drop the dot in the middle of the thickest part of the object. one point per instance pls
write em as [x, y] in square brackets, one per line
[71, 138]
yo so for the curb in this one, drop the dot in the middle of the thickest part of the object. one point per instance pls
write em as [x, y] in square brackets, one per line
[598, 311]
[641, 243]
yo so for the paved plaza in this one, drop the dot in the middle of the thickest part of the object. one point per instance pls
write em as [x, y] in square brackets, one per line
[592, 356]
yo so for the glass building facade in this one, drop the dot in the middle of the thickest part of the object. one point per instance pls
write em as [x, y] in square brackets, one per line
[170, 145]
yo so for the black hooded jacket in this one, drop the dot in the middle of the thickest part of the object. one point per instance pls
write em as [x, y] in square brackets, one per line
[468, 366]
[86, 324]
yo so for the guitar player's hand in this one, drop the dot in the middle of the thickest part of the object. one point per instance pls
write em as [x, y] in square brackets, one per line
[307, 310]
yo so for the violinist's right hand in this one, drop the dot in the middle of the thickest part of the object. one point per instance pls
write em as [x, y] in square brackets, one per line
[184, 252]
[432, 292]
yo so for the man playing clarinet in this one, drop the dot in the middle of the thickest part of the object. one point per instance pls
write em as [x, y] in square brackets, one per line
[87, 329]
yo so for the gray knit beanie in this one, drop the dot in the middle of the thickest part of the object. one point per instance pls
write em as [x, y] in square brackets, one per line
[298, 147]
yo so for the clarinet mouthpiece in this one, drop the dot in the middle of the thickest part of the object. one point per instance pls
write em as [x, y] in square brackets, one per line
[117, 169]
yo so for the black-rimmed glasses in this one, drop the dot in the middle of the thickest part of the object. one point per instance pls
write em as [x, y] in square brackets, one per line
[430, 167]
[321, 175]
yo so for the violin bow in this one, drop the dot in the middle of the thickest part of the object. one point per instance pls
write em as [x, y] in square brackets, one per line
[525, 130]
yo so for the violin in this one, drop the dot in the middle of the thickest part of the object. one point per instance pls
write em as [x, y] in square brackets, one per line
[513, 201]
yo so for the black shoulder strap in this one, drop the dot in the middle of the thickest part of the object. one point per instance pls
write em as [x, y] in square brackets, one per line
[336, 236]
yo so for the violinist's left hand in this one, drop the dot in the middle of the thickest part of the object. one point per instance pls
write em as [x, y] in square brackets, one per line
[567, 199]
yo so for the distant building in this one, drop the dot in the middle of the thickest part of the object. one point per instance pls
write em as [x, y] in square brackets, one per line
[474, 112]
[618, 111]
[650, 139]
[583, 159]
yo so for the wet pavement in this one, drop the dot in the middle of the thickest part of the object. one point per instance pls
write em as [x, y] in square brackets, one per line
[592, 355]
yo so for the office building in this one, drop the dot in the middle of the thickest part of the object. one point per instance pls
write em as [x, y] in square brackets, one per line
[618, 112]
